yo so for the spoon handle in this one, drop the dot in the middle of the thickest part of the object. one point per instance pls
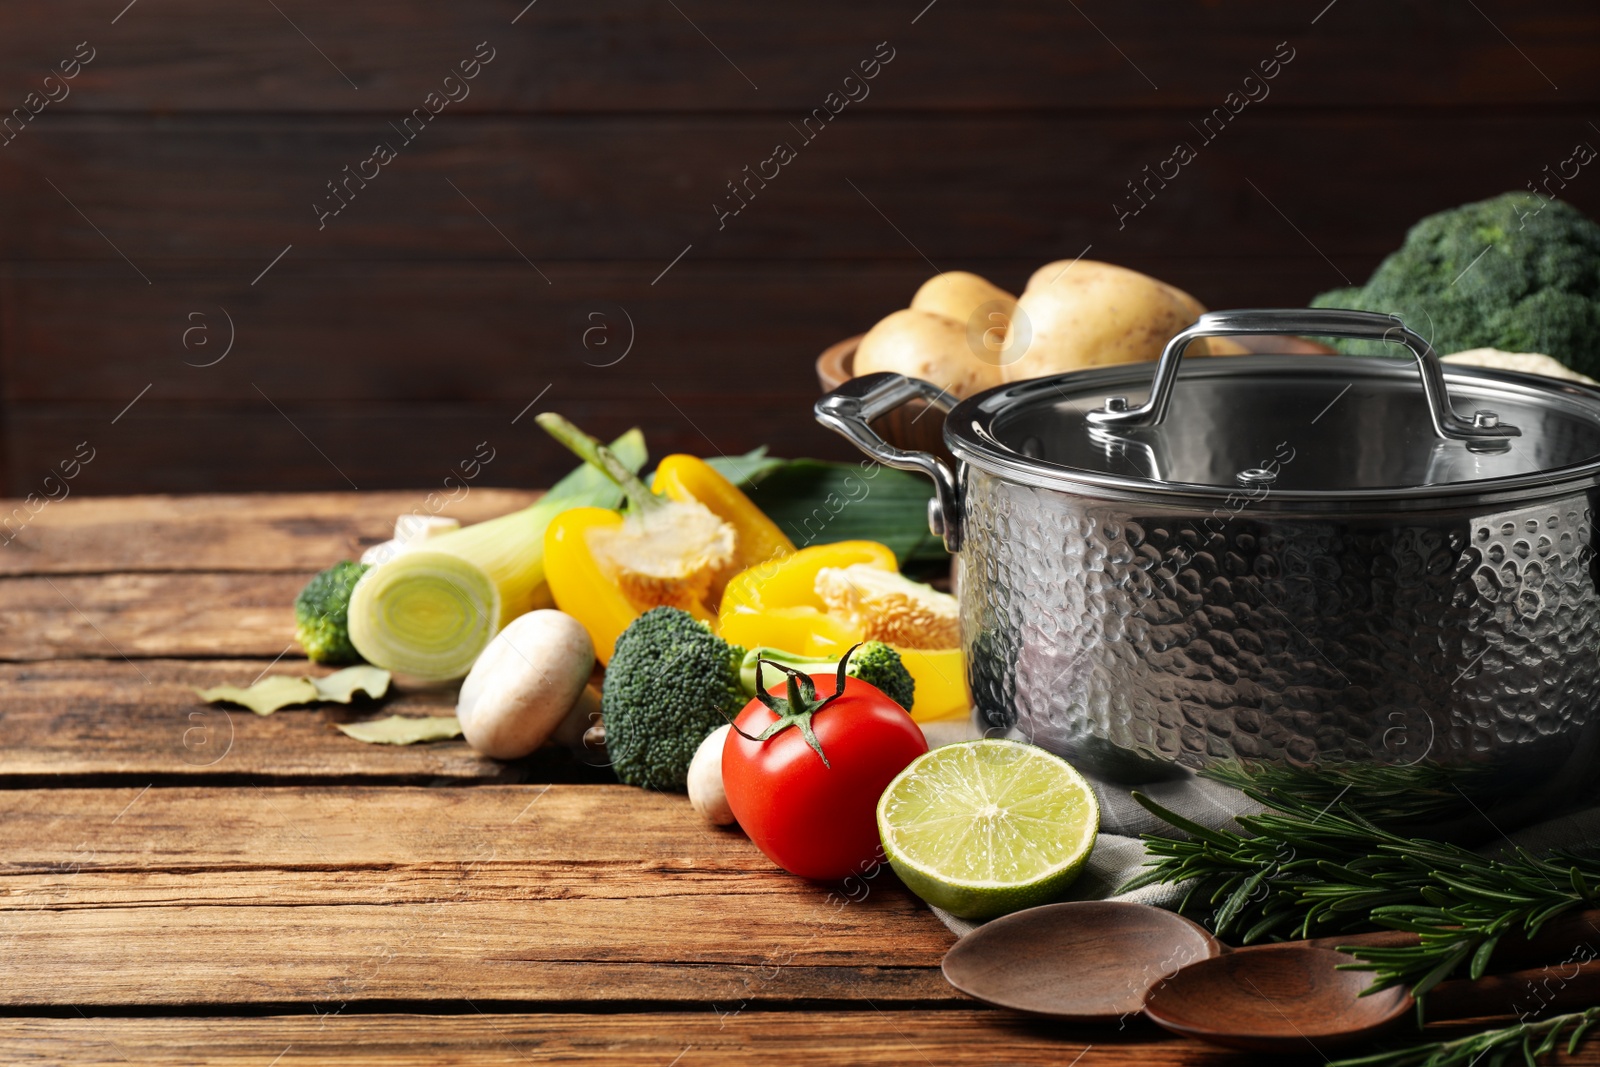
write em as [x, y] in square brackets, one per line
[1574, 936]
[1555, 941]
[1525, 994]
[1373, 939]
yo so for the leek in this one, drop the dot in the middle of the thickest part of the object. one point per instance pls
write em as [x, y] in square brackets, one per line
[428, 613]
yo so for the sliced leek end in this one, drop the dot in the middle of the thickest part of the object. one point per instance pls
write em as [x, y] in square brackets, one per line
[424, 614]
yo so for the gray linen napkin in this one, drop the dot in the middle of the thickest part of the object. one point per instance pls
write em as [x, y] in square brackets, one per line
[1119, 853]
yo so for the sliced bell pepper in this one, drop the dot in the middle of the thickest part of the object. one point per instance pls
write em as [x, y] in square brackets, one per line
[684, 477]
[802, 630]
[584, 589]
[776, 605]
[790, 582]
[578, 584]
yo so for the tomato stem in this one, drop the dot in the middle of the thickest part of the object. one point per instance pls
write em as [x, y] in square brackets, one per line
[798, 705]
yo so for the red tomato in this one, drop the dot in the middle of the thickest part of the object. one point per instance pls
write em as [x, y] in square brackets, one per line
[815, 820]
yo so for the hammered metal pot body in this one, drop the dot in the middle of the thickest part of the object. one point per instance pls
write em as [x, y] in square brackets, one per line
[1137, 640]
[1320, 574]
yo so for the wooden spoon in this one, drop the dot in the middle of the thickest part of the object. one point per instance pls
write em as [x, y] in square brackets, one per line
[1091, 960]
[1095, 961]
[1282, 998]
[1082, 961]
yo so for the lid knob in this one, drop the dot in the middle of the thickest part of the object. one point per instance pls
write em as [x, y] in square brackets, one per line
[1256, 476]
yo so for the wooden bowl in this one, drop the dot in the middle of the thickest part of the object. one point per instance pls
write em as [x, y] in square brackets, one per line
[912, 427]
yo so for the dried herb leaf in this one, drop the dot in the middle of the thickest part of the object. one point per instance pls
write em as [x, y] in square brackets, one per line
[400, 730]
[266, 696]
[340, 686]
[281, 690]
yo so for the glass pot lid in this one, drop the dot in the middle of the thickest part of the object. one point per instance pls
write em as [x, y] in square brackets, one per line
[1290, 428]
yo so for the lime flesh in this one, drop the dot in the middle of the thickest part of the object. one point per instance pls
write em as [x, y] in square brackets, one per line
[985, 828]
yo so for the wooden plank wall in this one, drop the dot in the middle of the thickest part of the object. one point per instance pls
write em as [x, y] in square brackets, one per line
[168, 198]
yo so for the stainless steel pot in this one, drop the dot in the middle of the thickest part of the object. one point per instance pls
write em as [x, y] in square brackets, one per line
[1294, 561]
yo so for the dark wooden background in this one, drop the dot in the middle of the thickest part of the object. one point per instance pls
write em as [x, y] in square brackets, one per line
[379, 351]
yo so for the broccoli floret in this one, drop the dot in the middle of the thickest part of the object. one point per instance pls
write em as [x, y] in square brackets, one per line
[670, 682]
[873, 662]
[1518, 272]
[322, 614]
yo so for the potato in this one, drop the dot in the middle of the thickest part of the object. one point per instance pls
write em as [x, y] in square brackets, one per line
[1190, 304]
[956, 294]
[1205, 346]
[1088, 314]
[932, 347]
[1216, 346]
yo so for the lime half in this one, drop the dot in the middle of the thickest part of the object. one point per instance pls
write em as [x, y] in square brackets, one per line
[984, 828]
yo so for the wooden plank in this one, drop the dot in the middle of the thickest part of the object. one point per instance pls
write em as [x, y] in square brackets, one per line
[720, 1035]
[137, 616]
[396, 399]
[474, 832]
[242, 189]
[479, 332]
[633, 55]
[136, 719]
[593, 893]
[397, 372]
[698, 949]
[249, 445]
[488, 830]
[296, 532]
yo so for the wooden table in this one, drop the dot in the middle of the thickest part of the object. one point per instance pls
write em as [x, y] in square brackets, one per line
[183, 884]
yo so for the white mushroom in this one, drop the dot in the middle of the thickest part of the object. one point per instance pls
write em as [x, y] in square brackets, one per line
[524, 684]
[706, 794]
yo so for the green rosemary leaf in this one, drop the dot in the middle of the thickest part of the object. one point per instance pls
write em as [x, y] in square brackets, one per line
[1311, 863]
[1580, 1033]
[1238, 900]
[1480, 958]
[1528, 1041]
[1193, 829]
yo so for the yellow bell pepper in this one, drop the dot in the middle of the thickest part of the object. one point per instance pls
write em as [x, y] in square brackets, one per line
[583, 589]
[941, 677]
[775, 605]
[791, 581]
[682, 477]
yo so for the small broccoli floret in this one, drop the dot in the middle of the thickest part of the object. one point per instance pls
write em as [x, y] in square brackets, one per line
[322, 614]
[1518, 272]
[670, 682]
[873, 662]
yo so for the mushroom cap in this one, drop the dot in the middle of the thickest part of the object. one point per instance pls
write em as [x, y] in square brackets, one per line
[524, 683]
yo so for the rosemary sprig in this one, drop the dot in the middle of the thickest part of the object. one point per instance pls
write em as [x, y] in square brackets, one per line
[1298, 872]
[1387, 794]
[1522, 1043]
[1305, 872]
[1464, 913]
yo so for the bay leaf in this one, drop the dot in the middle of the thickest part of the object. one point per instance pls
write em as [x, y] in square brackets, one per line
[400, 730]
[266, 696]
[340, 686]
[281, 690]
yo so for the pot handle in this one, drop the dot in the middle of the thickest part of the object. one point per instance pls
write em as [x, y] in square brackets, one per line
[1325, 322]
[850, 409]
